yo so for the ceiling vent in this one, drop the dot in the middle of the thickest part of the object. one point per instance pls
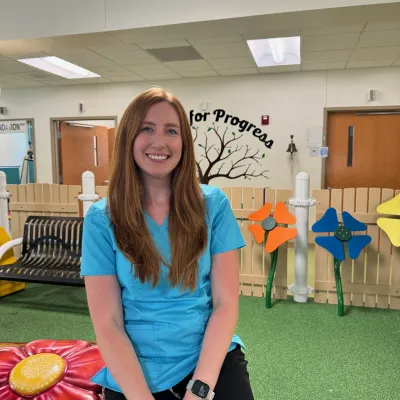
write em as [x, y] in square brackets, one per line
[182, 53]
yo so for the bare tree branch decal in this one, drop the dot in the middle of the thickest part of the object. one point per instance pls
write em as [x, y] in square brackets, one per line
[215, 157]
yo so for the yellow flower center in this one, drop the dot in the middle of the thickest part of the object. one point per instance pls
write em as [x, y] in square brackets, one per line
[36, 374]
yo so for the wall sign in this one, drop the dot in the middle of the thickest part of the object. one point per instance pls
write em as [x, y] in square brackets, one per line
[13, 127]
[242, 125]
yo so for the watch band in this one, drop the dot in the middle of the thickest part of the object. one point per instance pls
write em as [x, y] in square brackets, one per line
[190, 384]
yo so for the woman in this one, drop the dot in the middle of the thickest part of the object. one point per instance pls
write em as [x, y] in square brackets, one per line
[161, 266]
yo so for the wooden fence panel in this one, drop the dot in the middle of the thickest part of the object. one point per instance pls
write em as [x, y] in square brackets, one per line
[336, 202]
[247, 267]
[385, 254]
[282, 264]
[349, 204]
[321, 255]
[360, 262]
[371, 273]
[258, 252]
[395, 301]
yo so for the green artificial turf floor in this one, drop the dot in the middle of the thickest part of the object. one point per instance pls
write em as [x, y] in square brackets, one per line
[295, 351]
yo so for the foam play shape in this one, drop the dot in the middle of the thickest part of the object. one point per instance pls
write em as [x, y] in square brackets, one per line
[328, 222]
[391, 226]
[50, 370]
[350, 222]
[7, 287]
[8, 258]
[276, 235]
[390, 207]
[342, 234]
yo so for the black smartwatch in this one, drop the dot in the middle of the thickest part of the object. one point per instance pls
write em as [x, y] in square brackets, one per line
[200, 389]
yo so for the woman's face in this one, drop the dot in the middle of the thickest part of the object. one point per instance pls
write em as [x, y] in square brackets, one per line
[157, 149]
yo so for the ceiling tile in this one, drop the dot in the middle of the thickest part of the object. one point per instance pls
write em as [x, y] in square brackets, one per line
[92, 80]
[370, 63]
[330, 42]
[240, 71]
[323, 66]
[13, 79]
[130, 57]
[381, 26]
[81, 41]
[6, 85]
[18, 56]
[40, 76]
[127, 78]
[84, 58]
[156, 68]
[185, 53]
[111, 71]
[2, 58]
[213, 39]
[61, 82]
[30, 84]
[278, 69]
[115, 48]
[209, 51]
[332, 30]
[380, 38]
[145, 35]
[265, 34]
[376, 53]
[187, 66]
[163, 44]
[326, 56]
[15, 67]
[198, 74]
[232, 63]
[151, 76]
[397, 62]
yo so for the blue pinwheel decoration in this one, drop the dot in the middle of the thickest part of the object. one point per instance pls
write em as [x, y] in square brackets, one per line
[335, 244]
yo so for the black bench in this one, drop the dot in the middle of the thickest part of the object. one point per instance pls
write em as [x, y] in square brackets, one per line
[51, 252]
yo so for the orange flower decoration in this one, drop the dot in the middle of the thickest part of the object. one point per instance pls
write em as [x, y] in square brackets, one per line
[50, 369]
[277, 235]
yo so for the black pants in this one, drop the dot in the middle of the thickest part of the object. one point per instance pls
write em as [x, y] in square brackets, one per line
[233, 382]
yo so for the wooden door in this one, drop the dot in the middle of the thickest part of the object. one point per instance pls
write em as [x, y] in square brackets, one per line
[83, 148]
[111, 141]
[364, 151]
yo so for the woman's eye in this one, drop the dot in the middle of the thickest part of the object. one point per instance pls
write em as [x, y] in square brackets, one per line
[146, 129]
[172, 131]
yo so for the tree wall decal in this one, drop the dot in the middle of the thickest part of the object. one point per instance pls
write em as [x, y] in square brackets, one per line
[241, 158]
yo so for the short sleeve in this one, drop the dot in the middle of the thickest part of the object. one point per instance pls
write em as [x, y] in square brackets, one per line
[226, 234]
[98, 255]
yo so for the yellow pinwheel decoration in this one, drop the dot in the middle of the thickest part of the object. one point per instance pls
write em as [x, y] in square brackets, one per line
[391, 225]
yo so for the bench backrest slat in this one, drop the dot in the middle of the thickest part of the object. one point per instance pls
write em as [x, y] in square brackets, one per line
[52, 242]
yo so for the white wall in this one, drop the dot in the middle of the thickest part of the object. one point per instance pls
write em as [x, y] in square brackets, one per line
[23, 19]
[295, 103]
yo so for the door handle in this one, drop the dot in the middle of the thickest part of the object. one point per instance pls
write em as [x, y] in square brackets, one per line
[106, 182]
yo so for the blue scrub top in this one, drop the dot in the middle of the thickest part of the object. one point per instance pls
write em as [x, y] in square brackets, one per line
[165, 325]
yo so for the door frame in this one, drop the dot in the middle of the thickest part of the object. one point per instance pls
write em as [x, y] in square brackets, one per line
[325, 133]
[54, 142]
[32, 121]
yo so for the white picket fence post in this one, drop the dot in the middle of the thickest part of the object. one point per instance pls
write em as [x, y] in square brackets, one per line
[88, 196]
[4, 195]
[302, 203]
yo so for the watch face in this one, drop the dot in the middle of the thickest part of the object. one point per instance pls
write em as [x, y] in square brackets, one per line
[200, 389]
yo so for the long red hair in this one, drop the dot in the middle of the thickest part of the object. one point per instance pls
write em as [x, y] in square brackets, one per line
[187, 217]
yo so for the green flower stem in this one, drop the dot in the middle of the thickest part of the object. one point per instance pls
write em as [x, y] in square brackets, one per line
[274, 259]
[339, 289]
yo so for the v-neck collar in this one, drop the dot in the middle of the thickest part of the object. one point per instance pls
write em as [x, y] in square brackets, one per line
[154, 223]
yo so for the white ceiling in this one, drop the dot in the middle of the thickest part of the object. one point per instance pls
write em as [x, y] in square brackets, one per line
[359, 37]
